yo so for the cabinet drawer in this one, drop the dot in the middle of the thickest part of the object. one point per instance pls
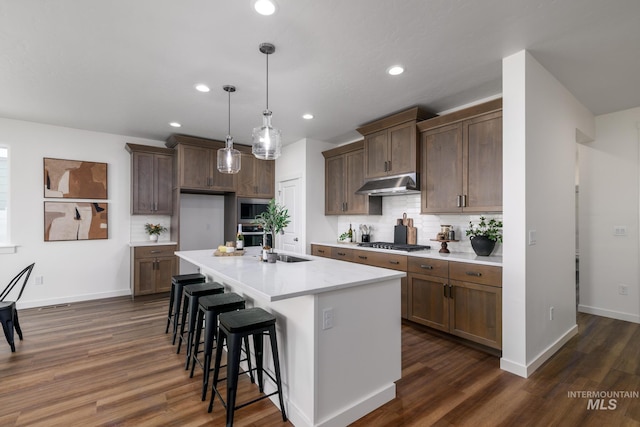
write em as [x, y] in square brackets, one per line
[319, 250]
[476, 273]
[377, 259]
[154, 251]
[432, 267]
[342, 254]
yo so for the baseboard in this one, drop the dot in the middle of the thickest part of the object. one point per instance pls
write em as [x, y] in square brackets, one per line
[360, 409]
[628, 317]
[70, 299]
[525, 371]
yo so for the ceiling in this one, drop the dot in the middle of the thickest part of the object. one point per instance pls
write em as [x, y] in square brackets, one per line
[129, 67]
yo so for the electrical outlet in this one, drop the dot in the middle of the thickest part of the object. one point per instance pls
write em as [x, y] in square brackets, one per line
[39, 280]
[619, 230]
[533, 237]
[551, 313]
[623, 289]
[327, 318]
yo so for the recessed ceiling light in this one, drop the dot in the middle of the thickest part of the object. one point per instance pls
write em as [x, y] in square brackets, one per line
[395, 70]
[265, 7]
[202, 88]
[175, 124]
[307, 116]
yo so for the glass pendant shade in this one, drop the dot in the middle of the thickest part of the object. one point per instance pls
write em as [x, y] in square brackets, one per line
[229, 158]
[267, 141]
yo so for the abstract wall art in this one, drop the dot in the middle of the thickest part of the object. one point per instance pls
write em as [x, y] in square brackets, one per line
[75, 221]
[74, 179]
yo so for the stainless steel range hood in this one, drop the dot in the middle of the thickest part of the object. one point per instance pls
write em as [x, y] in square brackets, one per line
[391, 185]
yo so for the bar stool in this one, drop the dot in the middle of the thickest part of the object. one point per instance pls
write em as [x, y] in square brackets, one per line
[190, 296]
[233, 327]
[209, 307]
[177, 282]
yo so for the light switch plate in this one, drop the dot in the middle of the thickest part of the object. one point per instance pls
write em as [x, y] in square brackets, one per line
[533, 237]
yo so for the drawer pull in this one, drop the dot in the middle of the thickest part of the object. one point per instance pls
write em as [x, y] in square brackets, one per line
[341, 253]
[362, 257]
[428, 267]
[155, 252]
[321, 251]
[473, 273]
[395, 262]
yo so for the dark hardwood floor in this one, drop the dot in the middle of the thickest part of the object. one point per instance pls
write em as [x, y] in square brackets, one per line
[109, 363]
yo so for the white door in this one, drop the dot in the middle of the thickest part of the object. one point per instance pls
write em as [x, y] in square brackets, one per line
[289, 196]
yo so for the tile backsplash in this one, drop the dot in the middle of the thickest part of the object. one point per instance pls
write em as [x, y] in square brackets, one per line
[428, 225]
[138, 234]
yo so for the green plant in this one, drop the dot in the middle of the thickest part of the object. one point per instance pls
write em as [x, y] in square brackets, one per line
[491, 229]
[154, 229]
[273, 220]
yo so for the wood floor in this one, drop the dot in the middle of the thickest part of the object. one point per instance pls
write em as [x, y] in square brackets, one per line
[109, 363]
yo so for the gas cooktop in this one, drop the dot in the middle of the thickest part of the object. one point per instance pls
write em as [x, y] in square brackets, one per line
[394, 246]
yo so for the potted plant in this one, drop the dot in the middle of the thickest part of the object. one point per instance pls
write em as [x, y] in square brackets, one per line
[485, 235]
[154, 231]
[273, 221]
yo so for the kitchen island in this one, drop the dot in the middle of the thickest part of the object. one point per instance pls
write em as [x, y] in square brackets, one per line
[338, 327]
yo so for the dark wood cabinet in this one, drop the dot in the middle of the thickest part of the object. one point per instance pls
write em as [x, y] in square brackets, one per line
[151, 180]
[462, 161]
[344, 175]
[391, 144]
[198, 169]
[153, 267]
[256, 177]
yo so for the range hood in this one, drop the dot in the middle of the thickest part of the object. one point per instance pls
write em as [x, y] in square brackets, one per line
[391, 185]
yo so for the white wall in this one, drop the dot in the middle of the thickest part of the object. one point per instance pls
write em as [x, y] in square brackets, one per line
[609, 197]
[76, 270]
[303, 159]
[540, 120]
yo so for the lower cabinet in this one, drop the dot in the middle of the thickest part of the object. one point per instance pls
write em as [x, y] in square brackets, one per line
[153, 267]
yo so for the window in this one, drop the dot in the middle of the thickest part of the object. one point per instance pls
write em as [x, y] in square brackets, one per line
[4, 195]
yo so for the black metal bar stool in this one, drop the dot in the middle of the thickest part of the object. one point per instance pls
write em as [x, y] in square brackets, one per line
[233, 327]
[177, 282]
[209, 307]
[190, 296]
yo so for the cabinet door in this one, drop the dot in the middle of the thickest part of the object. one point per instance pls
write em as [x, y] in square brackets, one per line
[165, 269]
[403, 150]
[163, 184]
[264, 173]
[376, 156]
[320, 250]
[334, 185]
[476, 313]
[144, 276]
[428, 301]
[142, 188]
[356, 203]
[195, 166]
[483, 163]
[220, 181]
[442, 169]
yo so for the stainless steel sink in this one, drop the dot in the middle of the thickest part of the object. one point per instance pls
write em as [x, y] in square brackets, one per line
[290, 258]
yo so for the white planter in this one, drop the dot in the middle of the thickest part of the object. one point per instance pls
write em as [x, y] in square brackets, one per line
[153, 237]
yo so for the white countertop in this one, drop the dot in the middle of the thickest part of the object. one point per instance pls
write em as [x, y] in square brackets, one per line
[281, 280]
[430, 253]
[150, 243]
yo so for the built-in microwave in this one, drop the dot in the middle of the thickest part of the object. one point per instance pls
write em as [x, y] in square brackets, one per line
[249, 209]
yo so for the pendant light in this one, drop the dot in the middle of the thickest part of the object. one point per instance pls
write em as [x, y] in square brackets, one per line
[229, 157]
[267, 143]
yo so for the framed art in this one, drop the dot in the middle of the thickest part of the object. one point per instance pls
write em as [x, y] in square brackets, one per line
[74, 179]
[75, 221]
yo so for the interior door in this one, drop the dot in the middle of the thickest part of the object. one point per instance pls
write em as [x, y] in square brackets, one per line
[289, 196]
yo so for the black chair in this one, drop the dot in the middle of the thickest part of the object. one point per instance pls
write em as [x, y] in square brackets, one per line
[233, 327]
[175, 298]
[8, 311]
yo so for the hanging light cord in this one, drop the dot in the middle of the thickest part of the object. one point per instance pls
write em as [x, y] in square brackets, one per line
[267, 55]
[229, 103]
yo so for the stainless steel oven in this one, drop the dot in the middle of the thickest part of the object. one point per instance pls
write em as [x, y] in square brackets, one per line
[253, 235]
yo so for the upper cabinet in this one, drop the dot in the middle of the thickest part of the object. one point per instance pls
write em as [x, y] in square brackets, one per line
[344, 174]
[256, 177]
[391, 144]
[151, 179]
[196, 165]
[462, 160]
